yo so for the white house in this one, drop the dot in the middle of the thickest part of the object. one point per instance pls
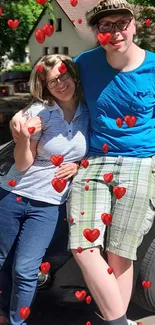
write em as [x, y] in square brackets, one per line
[70, 36]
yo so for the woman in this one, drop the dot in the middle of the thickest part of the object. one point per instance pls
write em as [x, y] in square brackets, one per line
[33, 193]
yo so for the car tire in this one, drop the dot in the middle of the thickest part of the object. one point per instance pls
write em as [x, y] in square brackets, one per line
[145, 298]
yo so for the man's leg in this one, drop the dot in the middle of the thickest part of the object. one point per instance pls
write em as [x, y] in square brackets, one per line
[103, 286]
[123, 271]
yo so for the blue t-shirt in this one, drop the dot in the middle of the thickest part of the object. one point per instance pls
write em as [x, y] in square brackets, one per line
[112, 94]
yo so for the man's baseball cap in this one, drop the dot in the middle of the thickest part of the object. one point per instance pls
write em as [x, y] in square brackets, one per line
[106, 8]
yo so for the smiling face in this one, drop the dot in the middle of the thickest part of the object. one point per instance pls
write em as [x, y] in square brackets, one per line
[62, 89]
[121, 39]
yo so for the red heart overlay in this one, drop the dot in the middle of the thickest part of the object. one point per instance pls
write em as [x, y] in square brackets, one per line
[130, 120]
[58, 184]
[119, 122]
[88, 300]
[45, 267]
[12, 182]
[74, 3]
[31, 129]
[13, 23]
[40, 35]
[119, 192]
[57, 160]
[84, 163]
[106, 218]
[24, 312]
[41, 2]
[48, 29]
[91, 235]
[80, 295]
[104, 39]
[108, 177]
[40, 68]
[62, 68]
[110, 270]
[146, 284]
[105, 148]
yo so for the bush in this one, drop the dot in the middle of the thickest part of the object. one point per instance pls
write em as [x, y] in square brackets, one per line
[20, 67]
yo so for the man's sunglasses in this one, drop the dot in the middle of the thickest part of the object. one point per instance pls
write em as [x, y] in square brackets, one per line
[108, 26]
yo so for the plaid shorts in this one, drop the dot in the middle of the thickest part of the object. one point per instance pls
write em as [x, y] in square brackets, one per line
[132, 214]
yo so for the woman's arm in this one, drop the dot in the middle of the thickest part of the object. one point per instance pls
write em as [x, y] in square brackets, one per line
[25, 149]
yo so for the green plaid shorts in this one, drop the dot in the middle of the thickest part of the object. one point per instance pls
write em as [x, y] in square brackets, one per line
[133, 214]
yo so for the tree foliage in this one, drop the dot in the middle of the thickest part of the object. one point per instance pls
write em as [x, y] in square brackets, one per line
[13, 41]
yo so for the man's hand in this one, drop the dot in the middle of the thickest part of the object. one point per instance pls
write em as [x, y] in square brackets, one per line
[67, 171]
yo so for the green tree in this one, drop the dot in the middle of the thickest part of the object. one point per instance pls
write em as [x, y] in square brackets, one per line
[13, 41]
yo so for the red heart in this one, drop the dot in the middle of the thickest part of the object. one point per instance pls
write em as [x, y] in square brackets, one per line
[71, 220]
[119, 122]
[91, 235]
[65, 219]
[130, 120]
[80, 295]
[1, 11]
[105, 148]
[45, 267]
[57, 160]
[24, 312]
[18, 198]
[79, 21]
[62, 68]
[108, 177]
[106, 218]
[91, 250]
[79, 249]
[31, 129]
[40, 35]
[48, 29]
[88, 180]
[12, 182]
[3, 91]
[40, 68]
[1, 292]
[82, 213]
[88, 300]
[104, 39]
[146, 284]
[88, 323]
[148, 22]
[119, 191]
[110, 270]
[74, 3]
[58, 184]
[13, 23]
[41, 2]
[84, 163]
[86, 188]
[72, 20]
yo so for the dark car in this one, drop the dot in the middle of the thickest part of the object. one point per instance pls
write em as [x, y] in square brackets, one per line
[65, 276]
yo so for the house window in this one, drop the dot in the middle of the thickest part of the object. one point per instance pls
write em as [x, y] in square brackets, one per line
[66, 50]
[51, 22]
[58, 25]
[46, 50]
[55, 50]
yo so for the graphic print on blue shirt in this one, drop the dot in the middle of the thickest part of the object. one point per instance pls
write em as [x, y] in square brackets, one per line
[112, 94]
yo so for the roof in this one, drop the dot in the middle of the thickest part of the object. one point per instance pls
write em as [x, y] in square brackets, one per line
[73, 14]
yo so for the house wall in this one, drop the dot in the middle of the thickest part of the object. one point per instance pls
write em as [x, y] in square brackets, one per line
[68, 37]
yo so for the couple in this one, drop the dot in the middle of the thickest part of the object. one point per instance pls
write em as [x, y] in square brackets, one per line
[119, 90]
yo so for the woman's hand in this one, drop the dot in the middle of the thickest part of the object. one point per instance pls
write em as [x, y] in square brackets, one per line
[67, 171]
[18, 121]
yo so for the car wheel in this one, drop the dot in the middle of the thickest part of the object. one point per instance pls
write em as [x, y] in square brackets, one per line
[145, 298]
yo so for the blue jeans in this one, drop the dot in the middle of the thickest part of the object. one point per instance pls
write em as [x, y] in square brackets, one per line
[26, 230]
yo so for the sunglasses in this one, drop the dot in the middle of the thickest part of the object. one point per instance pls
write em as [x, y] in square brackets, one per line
[54, 82]
[108, 26]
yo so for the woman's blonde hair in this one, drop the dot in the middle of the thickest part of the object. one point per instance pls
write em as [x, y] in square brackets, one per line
[37, 83]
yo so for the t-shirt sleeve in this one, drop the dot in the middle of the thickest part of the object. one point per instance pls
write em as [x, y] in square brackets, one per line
[40, 110]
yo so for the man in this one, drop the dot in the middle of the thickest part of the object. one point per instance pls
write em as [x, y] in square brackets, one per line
[118, 79]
